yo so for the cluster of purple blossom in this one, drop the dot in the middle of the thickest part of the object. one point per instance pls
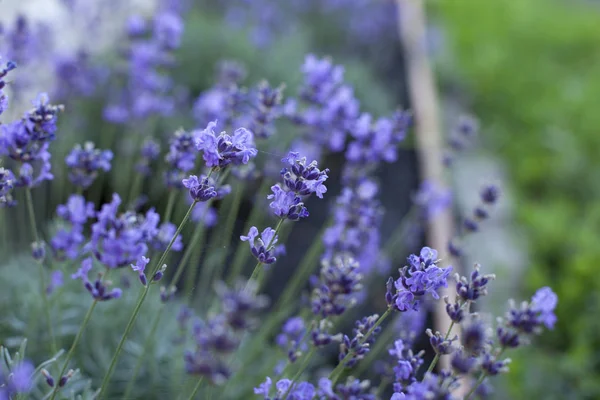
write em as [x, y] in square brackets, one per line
[329, 116]
[148, 90]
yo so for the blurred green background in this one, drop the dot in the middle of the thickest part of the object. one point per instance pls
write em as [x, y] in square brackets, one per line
[529, 70]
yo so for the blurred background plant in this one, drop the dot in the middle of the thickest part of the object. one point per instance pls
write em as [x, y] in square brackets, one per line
[525, 68]
[528, 70]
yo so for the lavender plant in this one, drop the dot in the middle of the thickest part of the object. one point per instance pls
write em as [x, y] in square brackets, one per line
[107, 316]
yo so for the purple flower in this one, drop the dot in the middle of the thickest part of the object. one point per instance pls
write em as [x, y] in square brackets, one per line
[220, 335]
[286, 204]
[406, 364]
[339, 280]
[27, 141]
[544, 301]
[98, 289]
[4, 70]
[431, 387]
[168, 28]
[148, 153]
[358, 347]
[56, 281]
[530, 317]
[76, 75]
[77, 211]
[181, 154]
[202, 189]
[354, 389]
[7, 183]
[119, 240]
[202, 213]
[440, 344]
[239, 306]
[166, 231]
[470, 290]
[301, 178]
[290, 338]
[420, 277]
[22, 375]
[264, 388]
[85, 162]
[431, 200]
[321, 78]
[262, 249]
[222, 150]
[490, 194]
[136, 26]
[266, 109]
[140, 266]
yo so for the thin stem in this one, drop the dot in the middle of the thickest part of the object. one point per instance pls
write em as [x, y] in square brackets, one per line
[34, 232]
[53, 345]
[482, 376]
[196, 237]
[232, 215]
[33, 225]
[192, 271]
[335, 374]
[170, 205]
[437, 355]
[196, 388]
[241, 256]
[138, 306]
[380, 345]
[307, 265]
[145, 350]
[258, 267]
[448, 332]
[86, 320]
[300, 371]
[136, 187]
[384, 382]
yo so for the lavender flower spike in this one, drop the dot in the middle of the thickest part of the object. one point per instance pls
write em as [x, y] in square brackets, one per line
[286, 204]
[221, 150]
[200, 189]
[85, 162]
[301, 178]
[420, 277]
[262, 249]
[140, 266]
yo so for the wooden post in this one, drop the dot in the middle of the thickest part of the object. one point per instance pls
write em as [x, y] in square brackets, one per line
[429, 142]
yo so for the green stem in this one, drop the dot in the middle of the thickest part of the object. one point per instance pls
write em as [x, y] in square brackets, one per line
[437, 355]
[448, 332]
[136, 188]
[300, 371]
[196, 237]
[33, 225]
[233, 211]
[258, 267]
[196, 388]
[145, 350]
[34, 232]
[337, 372]
[85, 322]
[241, 255]
[170, 205]
[385, 337]
[192, 271]
[138, 306]
[482, 376]
[309, 263]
